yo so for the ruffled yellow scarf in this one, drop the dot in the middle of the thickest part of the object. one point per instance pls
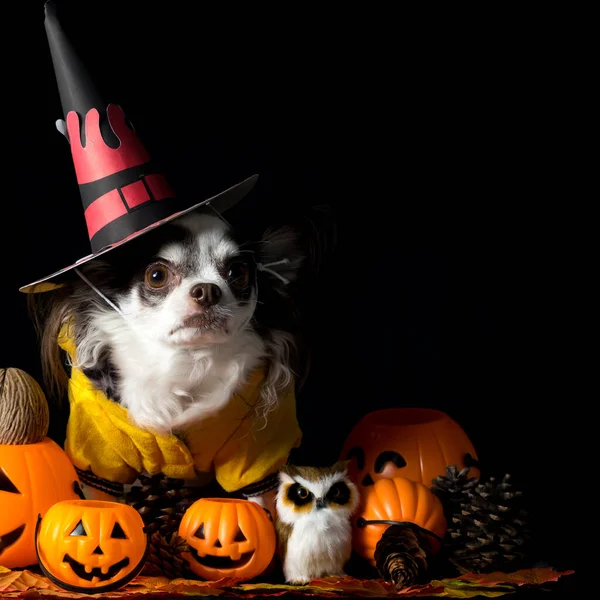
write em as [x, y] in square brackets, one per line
[238, 449]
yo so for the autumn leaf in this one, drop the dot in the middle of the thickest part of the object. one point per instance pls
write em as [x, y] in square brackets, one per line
[523, 577]
[199, 588]
[463, 589]
[218, 583]
[148, 582]
[14, 581]
[334, 587]
[494, 584]
[25, 584]
[251, 590]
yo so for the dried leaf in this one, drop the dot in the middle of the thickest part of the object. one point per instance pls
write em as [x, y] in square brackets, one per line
[461, 589]
[251, 590]
[24, 584]
[334, 587]
[522, 577]
[198, 587]
[148, 582]
[356, 587]
[14, 581]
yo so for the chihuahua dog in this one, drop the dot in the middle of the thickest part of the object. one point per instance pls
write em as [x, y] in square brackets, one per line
[170, 329]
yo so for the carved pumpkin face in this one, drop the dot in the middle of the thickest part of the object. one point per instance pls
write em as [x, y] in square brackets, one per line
[399, 500]
[228, 538]
[91, 546]
[408, 442]
[32, 478]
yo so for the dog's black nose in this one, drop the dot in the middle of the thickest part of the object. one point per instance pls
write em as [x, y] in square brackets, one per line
[206, 294]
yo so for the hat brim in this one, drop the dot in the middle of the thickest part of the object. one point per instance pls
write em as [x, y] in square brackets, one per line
[221, 202]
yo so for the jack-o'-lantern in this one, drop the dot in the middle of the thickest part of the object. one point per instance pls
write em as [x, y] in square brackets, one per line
[228, 537]
[34, 471]
[91, 546]
[400, 524]
[407, 442]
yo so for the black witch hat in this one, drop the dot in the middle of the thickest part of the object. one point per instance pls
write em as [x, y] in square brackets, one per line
[124, 194]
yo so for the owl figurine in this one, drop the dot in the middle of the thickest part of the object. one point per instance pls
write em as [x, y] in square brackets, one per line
[314, 532]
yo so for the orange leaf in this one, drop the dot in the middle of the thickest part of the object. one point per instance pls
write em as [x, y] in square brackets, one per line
[355, 587]
[336, 587]
[15, 581]
[150, 583]
[523, 577]
[198, 587]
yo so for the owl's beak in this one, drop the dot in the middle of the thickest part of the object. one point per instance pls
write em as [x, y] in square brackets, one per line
[320, 503]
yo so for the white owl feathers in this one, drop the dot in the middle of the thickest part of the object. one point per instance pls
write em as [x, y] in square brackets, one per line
[314, 506]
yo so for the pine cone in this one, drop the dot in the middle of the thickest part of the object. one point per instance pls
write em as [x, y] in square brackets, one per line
[164, 557]
[161, 502]
[452, 489]
[401, 556]
[490, 530]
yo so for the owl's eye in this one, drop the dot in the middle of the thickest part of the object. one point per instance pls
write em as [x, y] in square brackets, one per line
[157, 276]
[339, 493]
[299, 495]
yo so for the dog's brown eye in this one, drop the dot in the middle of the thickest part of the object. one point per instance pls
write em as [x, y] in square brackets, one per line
[157, 276]
[238, 273]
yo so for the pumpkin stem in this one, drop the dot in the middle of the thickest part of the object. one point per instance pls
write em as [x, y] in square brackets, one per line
[402, 555]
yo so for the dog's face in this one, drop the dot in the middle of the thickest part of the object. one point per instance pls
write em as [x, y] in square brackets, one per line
[188, 285]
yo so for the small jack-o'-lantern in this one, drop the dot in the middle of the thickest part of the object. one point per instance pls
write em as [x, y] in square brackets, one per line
[408, 442]
[91, 546]
[34, 471]
[228, 537]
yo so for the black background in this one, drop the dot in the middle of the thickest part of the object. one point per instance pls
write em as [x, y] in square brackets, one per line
[438, 157]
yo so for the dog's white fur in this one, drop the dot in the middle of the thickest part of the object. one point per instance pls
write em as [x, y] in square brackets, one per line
[172, 376]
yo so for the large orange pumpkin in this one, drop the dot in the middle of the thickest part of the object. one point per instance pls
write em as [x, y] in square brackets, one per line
[34, 471]
[91, 546]
[408, 442]
[228, 537]
[396, 501]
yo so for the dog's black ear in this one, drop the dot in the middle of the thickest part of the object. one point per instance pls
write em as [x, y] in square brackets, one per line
[280, 256]
[289, 252]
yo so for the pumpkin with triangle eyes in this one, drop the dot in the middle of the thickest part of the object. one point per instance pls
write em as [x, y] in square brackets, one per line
[228, 537]
[414, 443]
[35, 472]
[91, 546]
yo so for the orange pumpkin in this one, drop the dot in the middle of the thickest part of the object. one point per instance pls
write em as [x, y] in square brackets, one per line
[408, 442]
[34, 471]
[228, 537]
[91, 546]
[396, 501]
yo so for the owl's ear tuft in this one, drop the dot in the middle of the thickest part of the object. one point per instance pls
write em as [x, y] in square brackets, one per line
[341, 466]
[284, 476]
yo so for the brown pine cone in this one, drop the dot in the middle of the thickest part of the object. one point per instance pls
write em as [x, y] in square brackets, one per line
[401, 556]
[161, 502]
[490, 529]
[164, 557]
